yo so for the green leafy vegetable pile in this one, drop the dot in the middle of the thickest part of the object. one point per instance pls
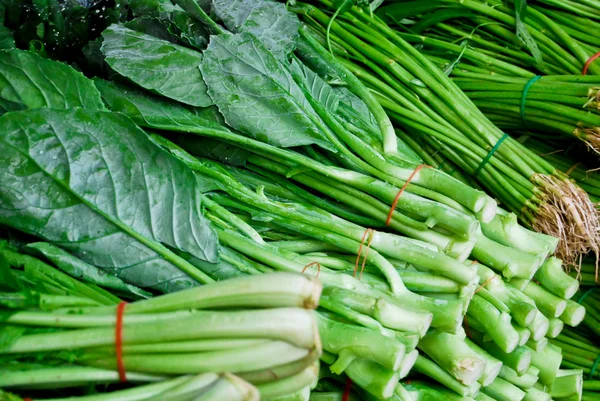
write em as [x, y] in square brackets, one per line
[201, 143]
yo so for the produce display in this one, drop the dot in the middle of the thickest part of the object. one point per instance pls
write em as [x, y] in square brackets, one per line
[289, 201]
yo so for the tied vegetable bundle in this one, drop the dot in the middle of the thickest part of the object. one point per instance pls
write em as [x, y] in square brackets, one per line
[63, 333]
[426, 104]
[547, 37]
[494, 70]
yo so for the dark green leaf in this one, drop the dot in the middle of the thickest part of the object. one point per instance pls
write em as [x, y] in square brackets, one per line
[162, 9]
[317, 87]
[315, 62]
[81, 270]
[30, 81]
[155, 64]
[174, 19]
[95, 185]
[269, 21]
[153, 27]
[153, 111]
[256, 93]
[43, 8]
[213, 149]
[160, 113]
[6, 38]
[355, 110]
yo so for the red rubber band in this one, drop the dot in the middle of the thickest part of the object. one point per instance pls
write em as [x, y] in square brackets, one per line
[119, 342]
[347, 387]
[486, 282]
[410, 177]
[367, 231]
[589, 62]
[312, 264]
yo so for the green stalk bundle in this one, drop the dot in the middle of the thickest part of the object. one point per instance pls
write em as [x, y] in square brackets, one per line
[510, 38]
[248, 325]
[424, 101]
[555, 105]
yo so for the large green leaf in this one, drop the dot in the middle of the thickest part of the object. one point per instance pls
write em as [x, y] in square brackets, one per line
[30, 81]
[269, 21]
[154, 111]
[156, 64]
[94, 184]
[81, 270]
[256, 93]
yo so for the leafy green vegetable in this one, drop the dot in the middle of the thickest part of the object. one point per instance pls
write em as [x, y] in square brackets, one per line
[30, 81]
[214, 149]
[269, 21]
[154, 27]
[156, 64]
[172, 18]
[157, 112]
[94, 184]
[257, 94]
[317, 87]
[7, 40]
[81, 270]
[148, 110]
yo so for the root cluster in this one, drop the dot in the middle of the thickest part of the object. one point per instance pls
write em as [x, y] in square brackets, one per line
[568, 214]
[589, 136]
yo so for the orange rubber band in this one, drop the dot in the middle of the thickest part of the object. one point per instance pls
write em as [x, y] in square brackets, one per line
[347, 387]
[372, 233]
[589, 62]
[486, 282]
[119, 342]
[312, 264]
[410, 178]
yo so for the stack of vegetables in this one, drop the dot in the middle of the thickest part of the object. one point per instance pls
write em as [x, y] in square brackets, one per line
[498, 72]
[429, 106]
[62, 332]
[239, 147]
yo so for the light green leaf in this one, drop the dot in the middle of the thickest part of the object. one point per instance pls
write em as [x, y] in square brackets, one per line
[156, 65]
